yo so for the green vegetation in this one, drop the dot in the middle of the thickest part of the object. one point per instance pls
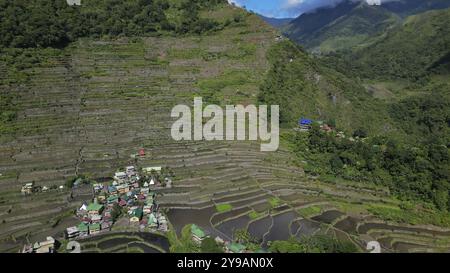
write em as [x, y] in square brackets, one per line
[310, 211]
[116, 212]
[313, 244]
[53, 23]
[413, 50]
[405, 54]
[255, 215]
[209, 245]
[305, 88]
[77, 180]
[184, 244]
[411, 215]
[224, 207]
[275, 202]
[349, 26]
[416, 171]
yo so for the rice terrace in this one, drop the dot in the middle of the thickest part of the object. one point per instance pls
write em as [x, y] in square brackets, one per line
[87, 153]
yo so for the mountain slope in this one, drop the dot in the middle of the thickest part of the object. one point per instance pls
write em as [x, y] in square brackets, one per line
[304, 88]
[351, 24]
[410, 7]
[276, 22]
[419, 46]
[301, 28]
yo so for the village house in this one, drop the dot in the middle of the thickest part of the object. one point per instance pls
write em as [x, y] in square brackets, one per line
[151, 170]
[136, 215]
[162, 222]
[83, 229]
[96, 218]
[94, 228]
[130, 170]
[235, 248]
[112, 199]
[28, 188]
[120, 177]
[152, 221]
[72, 232]
[147, 209]
[73, 2]
[101, 198]
[305, 124]
[112, 190]
[47, 246]
[145, 190]
[106, 225]
[95, 209]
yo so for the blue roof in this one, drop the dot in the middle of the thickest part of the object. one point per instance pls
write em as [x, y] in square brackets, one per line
[304, 121]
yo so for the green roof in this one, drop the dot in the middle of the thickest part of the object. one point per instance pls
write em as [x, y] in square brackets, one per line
[138, 212]
[236, 248]
[197, 231]
[94, 207]
[152, 219]
[82, 227]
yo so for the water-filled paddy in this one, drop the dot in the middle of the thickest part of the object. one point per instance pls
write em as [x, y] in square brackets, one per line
[306, 227]
[122, 239]
[280, 229]
[216, 219]
[328, 216]
[260, 227]
[229, 227]
[182, 217]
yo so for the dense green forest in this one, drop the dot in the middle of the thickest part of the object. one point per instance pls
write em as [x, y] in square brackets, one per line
[303, 87]
[44, 23]
[414, 50]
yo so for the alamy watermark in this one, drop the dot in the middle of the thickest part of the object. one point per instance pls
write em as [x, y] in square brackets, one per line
[229, 124]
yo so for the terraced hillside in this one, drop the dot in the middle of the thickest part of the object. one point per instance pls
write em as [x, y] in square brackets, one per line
[88, 109]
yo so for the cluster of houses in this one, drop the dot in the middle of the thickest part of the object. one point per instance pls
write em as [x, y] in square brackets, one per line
[129, 193]
[306, 124]
[30, 188]
[47, 246]
[198, 235]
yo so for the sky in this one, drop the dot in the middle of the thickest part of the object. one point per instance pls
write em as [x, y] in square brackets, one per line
[283, 8]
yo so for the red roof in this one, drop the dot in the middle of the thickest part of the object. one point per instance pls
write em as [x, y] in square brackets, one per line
[141, 152]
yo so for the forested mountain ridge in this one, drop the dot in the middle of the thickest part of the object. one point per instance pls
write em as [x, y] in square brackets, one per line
[42, 23]
[353, 24]
[416, 49]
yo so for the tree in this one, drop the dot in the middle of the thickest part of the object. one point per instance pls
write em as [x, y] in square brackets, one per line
[360, 132]
[116, 212]
[209, 245]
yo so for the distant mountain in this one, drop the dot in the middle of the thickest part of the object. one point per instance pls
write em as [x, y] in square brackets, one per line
[352, 24]
[276, 22]
[420, 45]
[410, 7]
